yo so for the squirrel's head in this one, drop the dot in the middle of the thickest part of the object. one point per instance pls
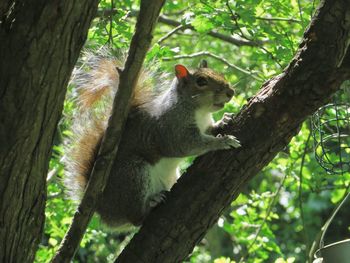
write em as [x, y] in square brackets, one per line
[207, 88]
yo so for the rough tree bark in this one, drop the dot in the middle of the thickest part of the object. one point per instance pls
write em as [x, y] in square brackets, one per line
[264, 126]
[40, 43]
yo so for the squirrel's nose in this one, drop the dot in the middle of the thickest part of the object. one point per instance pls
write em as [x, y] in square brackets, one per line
[230, 92]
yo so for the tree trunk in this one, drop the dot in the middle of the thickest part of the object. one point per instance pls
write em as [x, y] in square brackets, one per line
[264, 127]
[40, 43]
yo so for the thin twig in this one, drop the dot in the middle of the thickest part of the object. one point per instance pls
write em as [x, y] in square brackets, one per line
[300, 12]
[312, 11]
[272, 56]
[172, 32]
[209, 54]
[51, 175]
[291, 20]
[55, 195]
[234, 18]
[110, 33]
[268, 211]
[178, 13]
[170, 22]
[226, 38]
[301, 189]
[106, 12]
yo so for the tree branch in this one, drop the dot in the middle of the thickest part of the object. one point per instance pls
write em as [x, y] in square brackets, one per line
[264, 127]
[209, 54]
[170, 22]
[140, 43]
[291, 20]
[172, 32]
[229, 39]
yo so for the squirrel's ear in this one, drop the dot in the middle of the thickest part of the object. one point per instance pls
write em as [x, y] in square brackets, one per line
[181, 71]
[203, 64]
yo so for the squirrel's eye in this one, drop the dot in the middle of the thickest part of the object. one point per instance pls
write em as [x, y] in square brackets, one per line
[202, 81]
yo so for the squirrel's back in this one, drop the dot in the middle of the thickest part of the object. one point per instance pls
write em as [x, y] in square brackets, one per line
[96, 81]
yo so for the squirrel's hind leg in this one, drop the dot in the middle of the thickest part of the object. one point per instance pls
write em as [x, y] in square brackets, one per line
[125, 198]
[136, 179]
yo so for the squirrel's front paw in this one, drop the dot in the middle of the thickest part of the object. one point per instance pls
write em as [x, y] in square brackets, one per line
[229, 141]
[157, 199]
[226, 120]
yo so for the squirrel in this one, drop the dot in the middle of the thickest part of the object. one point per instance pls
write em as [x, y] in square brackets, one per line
[162, 128]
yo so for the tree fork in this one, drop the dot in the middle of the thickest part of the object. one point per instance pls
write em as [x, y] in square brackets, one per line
[264, 126]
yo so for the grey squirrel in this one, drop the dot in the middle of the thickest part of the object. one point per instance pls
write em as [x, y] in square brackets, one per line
[161, 129]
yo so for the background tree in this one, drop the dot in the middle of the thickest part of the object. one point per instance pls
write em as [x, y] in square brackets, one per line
[40, 43]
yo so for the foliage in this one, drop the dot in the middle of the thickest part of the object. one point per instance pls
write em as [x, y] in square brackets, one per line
[281, 211]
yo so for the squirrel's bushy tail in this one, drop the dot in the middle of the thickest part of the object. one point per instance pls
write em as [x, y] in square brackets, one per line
[95, 83]
[81, 153]
[96, 80]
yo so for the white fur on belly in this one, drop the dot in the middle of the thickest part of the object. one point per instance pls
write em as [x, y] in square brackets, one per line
[164, 174]
[203, 119]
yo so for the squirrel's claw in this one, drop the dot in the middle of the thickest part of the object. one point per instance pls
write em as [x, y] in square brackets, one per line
[157, 199]
[230, 141]
[227, 118]
[234, 142]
